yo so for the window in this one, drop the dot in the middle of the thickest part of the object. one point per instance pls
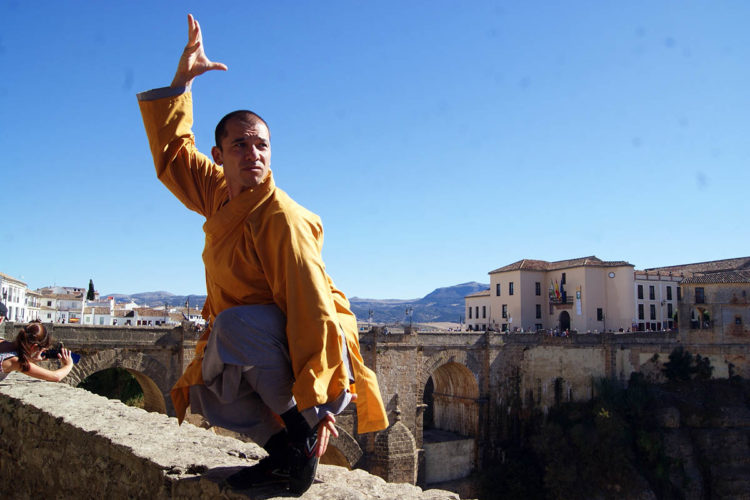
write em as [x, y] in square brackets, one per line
[510, 288]
[476, 311]
[470, 313]
[538, 288]
[640, 291]
[505, 310]
[562, 280]
[539, 311]
[538, 326]
[497, 289]
[651, 293]
[484, 311]
[669, 293]
[699, 296]
[599, 314]
[738, 320]
[49, 303]
[669, 311]
[679, 293]
[652, 311]
[640, 311]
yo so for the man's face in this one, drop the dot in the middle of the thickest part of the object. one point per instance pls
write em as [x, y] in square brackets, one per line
[245, 154]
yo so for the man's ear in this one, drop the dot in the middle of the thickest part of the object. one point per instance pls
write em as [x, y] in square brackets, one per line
[216, 153]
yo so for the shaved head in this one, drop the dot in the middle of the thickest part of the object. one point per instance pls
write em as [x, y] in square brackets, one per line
[241, 115]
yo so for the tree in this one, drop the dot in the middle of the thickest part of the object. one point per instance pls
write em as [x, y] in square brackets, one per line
[679, 365]
[90, 294]
[682, 366]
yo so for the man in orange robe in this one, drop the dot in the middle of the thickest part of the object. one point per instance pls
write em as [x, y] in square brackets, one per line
[281, 338]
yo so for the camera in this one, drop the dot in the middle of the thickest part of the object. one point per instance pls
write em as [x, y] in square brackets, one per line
[53, 353]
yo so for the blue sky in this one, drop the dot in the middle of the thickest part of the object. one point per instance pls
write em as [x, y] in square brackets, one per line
[437, 140]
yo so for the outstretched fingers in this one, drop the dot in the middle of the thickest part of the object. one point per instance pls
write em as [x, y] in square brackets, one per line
[326, 428]
[194, 61]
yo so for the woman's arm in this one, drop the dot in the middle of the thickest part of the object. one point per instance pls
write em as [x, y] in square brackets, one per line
[37, 371]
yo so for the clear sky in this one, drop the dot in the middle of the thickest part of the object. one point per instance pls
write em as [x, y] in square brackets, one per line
[438, 140]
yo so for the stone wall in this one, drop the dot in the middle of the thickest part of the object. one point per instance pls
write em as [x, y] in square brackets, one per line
[448, 460]
[485, 383]
[64, 442]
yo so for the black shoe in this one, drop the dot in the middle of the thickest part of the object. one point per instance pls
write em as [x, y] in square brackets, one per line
[265, 473]
[303, 463]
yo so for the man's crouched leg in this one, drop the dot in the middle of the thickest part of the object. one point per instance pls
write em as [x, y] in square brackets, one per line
[291, 458]
[273, 469]
[302, 458]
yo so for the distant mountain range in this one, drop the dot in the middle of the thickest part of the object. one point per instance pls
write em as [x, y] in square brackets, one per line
[441, 305]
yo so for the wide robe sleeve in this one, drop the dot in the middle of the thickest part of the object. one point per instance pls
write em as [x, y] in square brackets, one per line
[196, 181]
[289, 247]
[190, 175]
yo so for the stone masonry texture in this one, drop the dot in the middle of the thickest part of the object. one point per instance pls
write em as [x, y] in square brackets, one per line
[59, 441]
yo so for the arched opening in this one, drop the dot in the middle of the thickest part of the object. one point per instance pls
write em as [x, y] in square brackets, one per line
[451, 423]
[428, 417]
[454, 399]
[129, 386]
[564, 321]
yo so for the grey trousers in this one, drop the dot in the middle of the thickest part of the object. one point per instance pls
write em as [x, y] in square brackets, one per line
[248, 374]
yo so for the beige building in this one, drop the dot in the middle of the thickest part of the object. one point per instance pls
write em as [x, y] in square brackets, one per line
[655, 308]
[716, 307]
[584, 295]
[478, 307]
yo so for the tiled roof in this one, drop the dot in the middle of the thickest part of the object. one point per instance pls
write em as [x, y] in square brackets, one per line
[722, 277]
[97, 310]
[543, 265]
[11, 278]
[480, 293]
[712, 266]
[148, 312]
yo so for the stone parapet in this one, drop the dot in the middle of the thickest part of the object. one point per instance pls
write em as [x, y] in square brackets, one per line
[68, 443]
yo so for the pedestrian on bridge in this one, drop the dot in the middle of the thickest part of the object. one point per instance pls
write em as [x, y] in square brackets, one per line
[282, 340]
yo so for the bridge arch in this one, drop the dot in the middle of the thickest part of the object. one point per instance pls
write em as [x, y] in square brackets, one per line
[455, 391]
[455, 395]
[451, 398]
[150, 374]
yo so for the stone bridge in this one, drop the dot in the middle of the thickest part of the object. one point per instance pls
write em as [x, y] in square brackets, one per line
[451, 396]
[154, 356]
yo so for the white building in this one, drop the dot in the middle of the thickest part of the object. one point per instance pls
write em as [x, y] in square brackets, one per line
[33, 306]
[656, 296]
[13, 295]
[68, 307]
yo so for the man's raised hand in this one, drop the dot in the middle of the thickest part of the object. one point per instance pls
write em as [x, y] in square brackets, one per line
[193, 61]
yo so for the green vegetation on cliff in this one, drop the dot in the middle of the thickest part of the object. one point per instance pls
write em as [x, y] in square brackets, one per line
[617, 445]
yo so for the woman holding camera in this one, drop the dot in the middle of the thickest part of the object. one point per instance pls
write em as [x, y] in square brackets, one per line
[29, 346]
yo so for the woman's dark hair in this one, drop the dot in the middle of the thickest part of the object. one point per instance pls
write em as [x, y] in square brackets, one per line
[33, 334]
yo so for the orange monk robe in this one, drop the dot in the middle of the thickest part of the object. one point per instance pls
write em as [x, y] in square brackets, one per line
[262, 248]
